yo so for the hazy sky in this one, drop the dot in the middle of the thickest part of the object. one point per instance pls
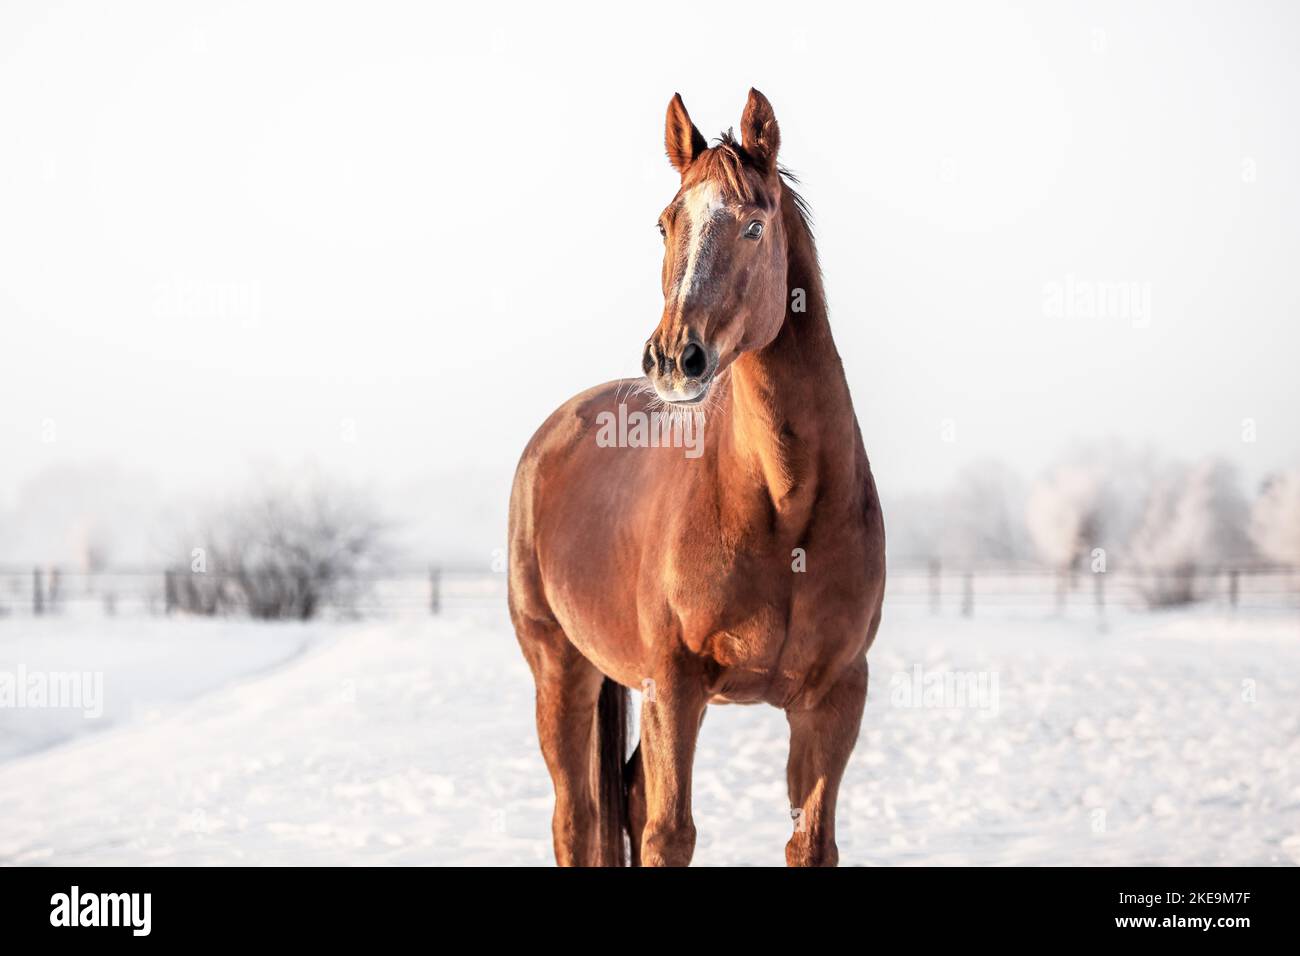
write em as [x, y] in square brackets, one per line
[390, 238]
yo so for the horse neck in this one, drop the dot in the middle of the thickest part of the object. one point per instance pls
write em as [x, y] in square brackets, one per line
[792, 424]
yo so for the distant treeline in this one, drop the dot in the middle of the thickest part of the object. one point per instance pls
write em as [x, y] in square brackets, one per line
[1104, 507]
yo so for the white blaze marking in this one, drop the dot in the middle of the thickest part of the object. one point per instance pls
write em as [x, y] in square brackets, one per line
[702, 204]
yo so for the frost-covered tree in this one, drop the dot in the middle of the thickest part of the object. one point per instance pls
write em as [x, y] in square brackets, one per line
[1091, 498]
[1195, 521]
[983, 516]
[1275, 519]
[1063, 513]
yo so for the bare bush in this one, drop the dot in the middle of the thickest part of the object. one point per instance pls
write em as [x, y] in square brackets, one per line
[286, 552]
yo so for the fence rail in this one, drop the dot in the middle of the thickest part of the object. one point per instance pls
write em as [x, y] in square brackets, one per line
[441, 589]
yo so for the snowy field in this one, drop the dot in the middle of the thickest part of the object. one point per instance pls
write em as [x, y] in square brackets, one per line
[1169, 739]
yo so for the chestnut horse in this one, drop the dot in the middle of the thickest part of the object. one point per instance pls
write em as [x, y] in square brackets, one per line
[752, 571]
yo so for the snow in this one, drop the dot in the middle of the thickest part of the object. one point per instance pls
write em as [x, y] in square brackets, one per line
[1169, 738]
[147, 664]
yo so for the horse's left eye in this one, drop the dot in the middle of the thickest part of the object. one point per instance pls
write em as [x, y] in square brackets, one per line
[754, 230]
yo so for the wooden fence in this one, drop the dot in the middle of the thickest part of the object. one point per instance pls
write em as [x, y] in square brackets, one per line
[441, 589]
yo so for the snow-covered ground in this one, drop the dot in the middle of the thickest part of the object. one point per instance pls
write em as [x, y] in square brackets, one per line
[1169, 738]
[126, 668]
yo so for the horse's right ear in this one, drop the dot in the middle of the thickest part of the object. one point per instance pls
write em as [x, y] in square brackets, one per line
[682, 140]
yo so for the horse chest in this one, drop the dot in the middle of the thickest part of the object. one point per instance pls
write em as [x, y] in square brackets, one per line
[770, 616]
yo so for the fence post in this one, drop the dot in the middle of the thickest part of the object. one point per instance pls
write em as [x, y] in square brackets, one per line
[435, 591]
[1233, 587]
[934, 586]
[1099, 593]
[38, 592]
[968, 595]
[169, 591]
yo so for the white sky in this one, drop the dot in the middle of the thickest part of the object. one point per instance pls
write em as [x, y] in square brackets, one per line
[251, 232]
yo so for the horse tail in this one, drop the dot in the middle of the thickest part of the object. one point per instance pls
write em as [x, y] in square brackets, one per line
[611, 749]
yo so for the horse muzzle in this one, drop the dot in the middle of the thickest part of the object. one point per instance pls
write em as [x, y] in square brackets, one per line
[683, 376]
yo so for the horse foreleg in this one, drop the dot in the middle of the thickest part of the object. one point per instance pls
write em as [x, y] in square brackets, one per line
[670, 726]
[821, 740]
[567, 688]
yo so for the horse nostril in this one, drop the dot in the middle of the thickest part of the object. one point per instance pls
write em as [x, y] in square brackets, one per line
[648, 359]
[694, 361]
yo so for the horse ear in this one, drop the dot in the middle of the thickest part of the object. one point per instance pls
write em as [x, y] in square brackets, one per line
[681, 138]
[759, 133]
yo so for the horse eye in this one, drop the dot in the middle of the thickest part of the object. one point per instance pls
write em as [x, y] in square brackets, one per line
[660, 227]
[754, 230]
